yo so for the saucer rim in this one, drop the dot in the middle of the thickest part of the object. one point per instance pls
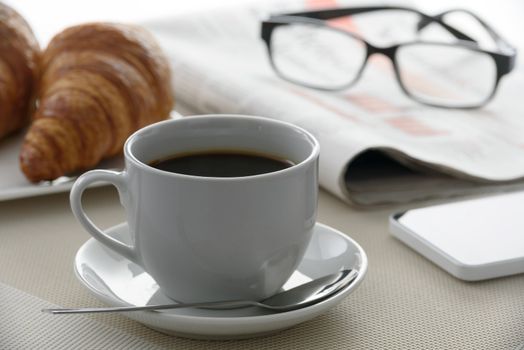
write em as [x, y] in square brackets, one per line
[308, 311]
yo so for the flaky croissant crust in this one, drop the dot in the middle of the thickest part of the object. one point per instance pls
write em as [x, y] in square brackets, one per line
[19, 66]
[100, 82]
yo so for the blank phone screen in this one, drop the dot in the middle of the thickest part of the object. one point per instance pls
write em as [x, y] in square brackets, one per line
[475, 232]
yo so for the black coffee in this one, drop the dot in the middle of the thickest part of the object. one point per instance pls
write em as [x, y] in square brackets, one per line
[221, 164]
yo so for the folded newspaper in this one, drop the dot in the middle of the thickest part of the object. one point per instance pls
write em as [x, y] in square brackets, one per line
[377, 146]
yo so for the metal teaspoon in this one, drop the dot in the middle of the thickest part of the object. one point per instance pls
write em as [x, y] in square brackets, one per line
[295, 298]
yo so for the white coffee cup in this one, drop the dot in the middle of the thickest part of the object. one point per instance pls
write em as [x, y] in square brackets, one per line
[213, 238]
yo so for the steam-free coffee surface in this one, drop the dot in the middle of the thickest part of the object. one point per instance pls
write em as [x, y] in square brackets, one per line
[221, 164]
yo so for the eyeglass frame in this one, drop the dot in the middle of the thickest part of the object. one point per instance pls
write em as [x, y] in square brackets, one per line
[504, 59]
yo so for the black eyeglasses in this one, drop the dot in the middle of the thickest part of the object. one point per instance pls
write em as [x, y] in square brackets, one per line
[306, 49]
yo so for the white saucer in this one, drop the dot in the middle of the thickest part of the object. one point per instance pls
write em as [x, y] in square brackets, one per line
[117, 281]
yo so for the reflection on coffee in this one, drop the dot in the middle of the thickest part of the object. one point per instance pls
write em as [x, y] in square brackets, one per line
[221, 164]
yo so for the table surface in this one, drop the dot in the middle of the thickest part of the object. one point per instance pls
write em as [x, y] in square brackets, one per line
[405, 302]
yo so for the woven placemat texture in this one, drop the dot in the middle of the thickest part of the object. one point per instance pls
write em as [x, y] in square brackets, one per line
[23, 326]
[405, 302]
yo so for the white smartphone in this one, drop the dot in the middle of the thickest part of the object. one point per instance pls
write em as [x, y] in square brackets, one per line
[473, 239]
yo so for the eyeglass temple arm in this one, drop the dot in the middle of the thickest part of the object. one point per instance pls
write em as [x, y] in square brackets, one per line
[499, 41]
[336, 13]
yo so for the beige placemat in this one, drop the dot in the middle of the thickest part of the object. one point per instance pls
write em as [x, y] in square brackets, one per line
[405, 302]
[23, 326]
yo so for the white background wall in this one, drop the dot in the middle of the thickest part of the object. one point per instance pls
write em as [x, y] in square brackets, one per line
[50, 16]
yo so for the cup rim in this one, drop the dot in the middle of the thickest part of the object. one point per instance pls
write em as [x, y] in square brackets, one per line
[314, 154]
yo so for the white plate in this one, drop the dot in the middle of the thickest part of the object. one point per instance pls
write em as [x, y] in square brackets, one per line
[117, 282]
[13, 183]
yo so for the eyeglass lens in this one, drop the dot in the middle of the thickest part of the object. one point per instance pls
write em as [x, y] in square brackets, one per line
[316, 56]
[446, 75]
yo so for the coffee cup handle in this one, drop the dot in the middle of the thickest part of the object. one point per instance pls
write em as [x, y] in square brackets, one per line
[117, 179]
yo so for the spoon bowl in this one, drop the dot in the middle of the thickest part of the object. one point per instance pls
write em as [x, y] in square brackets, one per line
[295, 298]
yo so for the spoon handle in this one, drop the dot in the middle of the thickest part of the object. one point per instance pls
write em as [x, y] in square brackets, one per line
[291, 299]
[209, 305]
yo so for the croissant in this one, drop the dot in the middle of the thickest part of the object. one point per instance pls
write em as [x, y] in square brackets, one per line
[99, 83]
[19, 62]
